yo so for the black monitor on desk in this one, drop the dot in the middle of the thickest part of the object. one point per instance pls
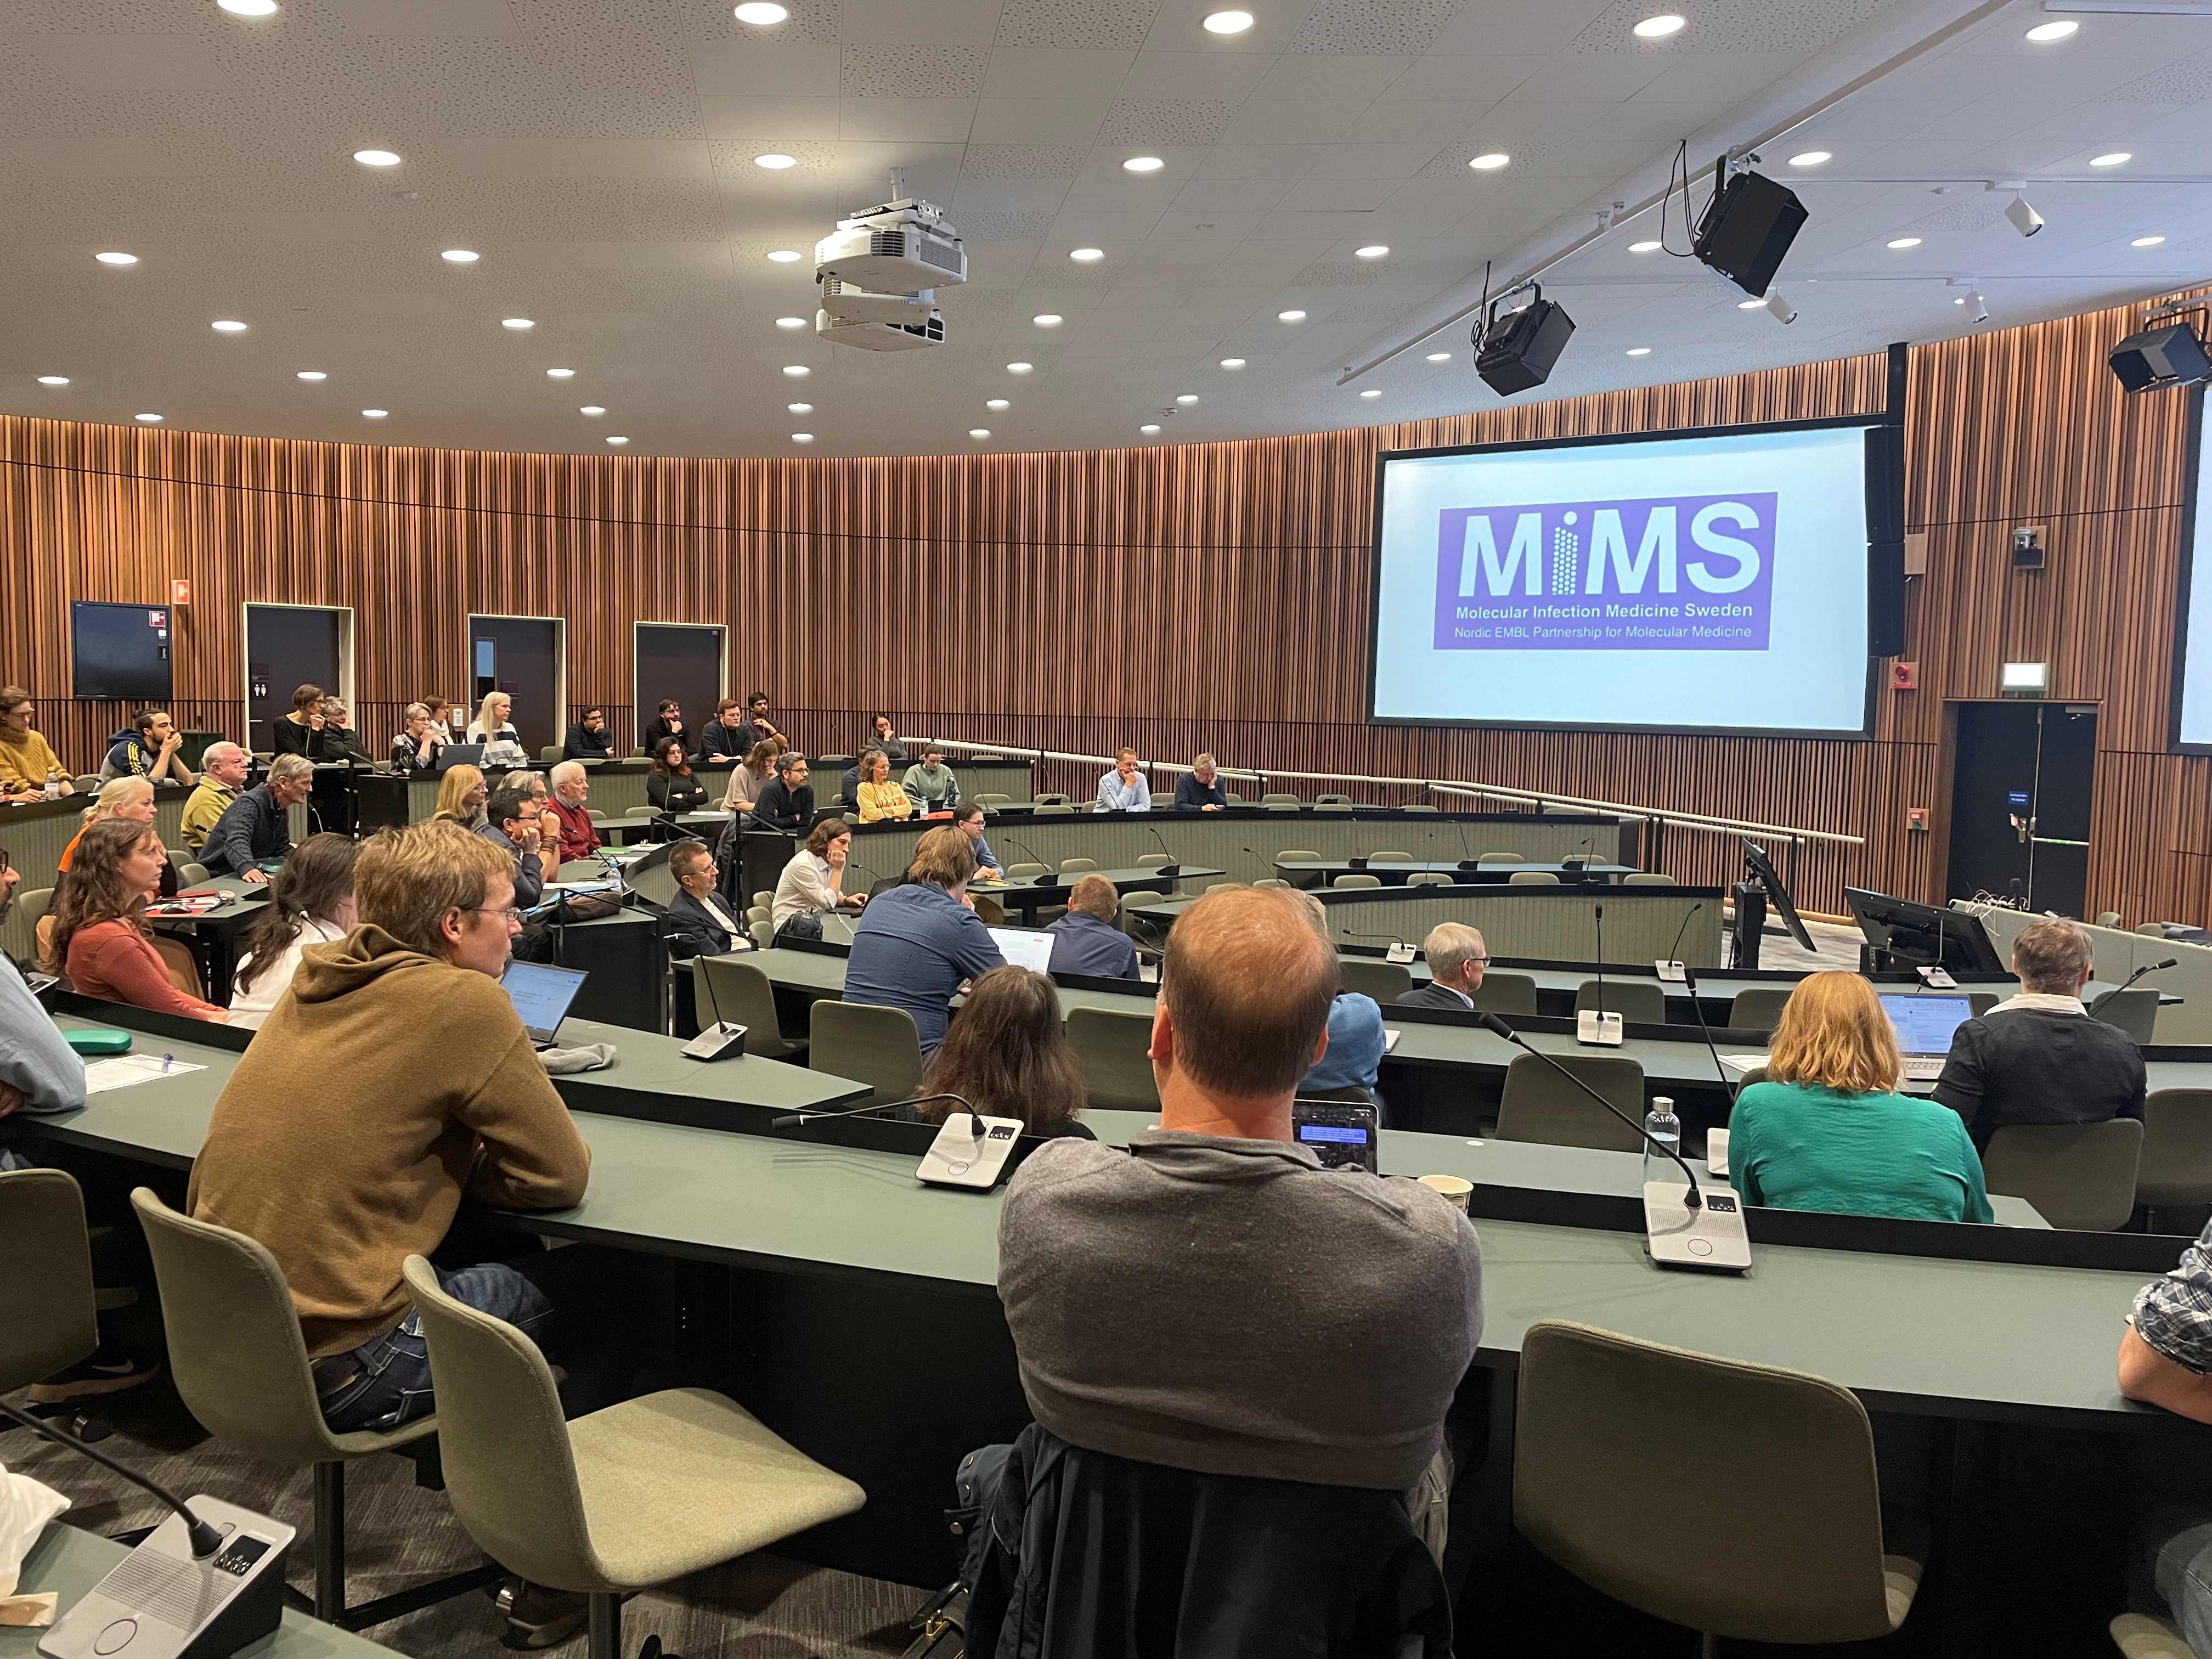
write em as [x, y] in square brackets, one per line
[1923, 935]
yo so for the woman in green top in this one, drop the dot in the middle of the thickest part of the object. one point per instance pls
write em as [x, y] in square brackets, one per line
[1828, 1131]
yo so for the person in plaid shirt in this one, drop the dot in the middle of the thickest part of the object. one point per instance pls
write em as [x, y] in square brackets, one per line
[2166, 1359]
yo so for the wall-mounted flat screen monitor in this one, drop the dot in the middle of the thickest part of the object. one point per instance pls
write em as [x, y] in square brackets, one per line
[119, 652]
[2192, 641]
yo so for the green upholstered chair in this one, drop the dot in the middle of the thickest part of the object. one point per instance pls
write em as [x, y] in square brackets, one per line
[2081, 1176]
[746, 995]
[1111, 1048]
[879, 1047]
[1538, 1104]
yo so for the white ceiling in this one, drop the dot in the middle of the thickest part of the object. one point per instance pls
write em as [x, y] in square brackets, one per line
[598, 154]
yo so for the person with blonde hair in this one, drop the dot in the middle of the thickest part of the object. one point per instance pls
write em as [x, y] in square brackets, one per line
[120, 798]
[876, 795]
[461, 797]
[494, 728]
[1827, 1129]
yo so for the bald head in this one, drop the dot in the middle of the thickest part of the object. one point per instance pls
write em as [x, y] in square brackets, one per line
[1246, 983]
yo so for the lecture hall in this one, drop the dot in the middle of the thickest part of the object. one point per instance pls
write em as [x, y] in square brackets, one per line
[1125, 830]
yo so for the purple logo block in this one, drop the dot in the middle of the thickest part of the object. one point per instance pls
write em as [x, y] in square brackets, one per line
[1680, 573]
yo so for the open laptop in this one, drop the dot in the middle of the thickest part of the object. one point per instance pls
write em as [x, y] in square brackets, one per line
[461, 754]
[541, 995]
[1924, 1021]
[1023, 948]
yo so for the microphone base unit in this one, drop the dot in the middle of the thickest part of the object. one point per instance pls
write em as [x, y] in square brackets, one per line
[719, 1041]
[159, 1604]
[1937, 979]
[1708, 1239]
[970, 1150]
[1670, 973]
[1399, 951]
[1597, 1029]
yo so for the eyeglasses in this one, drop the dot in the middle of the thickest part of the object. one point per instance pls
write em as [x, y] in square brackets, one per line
[4, 862]
[509, 912]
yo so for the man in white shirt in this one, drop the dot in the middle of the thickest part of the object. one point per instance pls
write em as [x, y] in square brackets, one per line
[1124, 788]
[700, 924]
[1456, 956]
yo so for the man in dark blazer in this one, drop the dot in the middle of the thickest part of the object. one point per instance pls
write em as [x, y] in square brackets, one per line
[699, 923]
[1456, 958]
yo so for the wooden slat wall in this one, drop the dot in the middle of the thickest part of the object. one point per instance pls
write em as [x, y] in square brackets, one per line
[1177, 597]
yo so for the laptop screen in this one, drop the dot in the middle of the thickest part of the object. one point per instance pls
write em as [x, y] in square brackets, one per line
[541, 994]
[1924, 1022]
[1024, 949]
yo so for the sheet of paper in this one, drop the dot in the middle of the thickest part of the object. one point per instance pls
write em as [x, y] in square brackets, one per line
[1390, 1039]
[123, 1070]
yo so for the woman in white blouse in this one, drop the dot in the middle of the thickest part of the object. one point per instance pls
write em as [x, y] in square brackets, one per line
[811, 880]
[310, 902]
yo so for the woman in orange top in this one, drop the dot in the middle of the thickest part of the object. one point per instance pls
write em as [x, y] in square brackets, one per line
[130, 799]
[101, 939]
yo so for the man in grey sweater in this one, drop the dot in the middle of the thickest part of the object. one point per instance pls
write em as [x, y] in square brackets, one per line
[1213, 1298]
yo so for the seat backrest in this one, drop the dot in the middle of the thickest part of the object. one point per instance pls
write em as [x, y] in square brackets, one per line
[1790, 1545]
[235, 1349]
[1111, 1048]
[1386, 981]
[1506, 993]
[1499, 858]
[1024, 871]
[1760, 1008]
[1076, 866]
[184, 968]
[1050, 798]
[879, 1047]
[192, 875]
[34, 902]
[1332, 800]
[2108, 918]
[2151, 929]
[641, 811]
[1297, 855]
[1154, 860]
[2134, 1010]
[1647, 878]
[1056, 808]
[1428, 879]
[991, 798]
[743, 994]
[1389, 858]
[1637, 1001]
[2177, 1148]
[1532, 878]
[2079, 1177]
[510, 1472]
[1276, 796]
[764, 933]
[48, 1319]
[1538, 1104]
[86, 783]
[595, 815]
[1357, 879]
[1271, 881]
[549, 753]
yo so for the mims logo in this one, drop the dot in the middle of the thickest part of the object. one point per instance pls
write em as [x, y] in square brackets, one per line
[1686, 573]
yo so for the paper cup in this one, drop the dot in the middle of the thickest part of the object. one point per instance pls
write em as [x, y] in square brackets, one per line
[1451, 1187]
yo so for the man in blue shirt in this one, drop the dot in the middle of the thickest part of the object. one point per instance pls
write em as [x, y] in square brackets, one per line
[968, 820]
[918, 943]
[1086, 941]
[1356, 1042]
[1124, 788]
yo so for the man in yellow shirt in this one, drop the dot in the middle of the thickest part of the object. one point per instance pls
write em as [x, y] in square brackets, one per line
[222, 775]
[27, 763]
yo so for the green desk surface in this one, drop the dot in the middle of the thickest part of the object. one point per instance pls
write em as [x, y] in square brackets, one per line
[69, 1561]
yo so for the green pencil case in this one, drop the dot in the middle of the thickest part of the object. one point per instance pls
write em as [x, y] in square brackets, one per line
[98, 1042]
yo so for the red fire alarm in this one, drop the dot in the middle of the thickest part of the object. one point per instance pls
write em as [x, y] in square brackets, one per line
[1916, 817]
[180, 590]
[1903, 676]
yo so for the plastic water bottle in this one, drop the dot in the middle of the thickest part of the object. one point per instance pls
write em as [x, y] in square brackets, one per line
[1661, 1124]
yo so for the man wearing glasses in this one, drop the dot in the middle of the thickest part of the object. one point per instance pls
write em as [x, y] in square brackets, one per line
[1457, 958]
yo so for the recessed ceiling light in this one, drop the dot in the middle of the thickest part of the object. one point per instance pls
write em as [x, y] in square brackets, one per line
[1087, 254]
[377, 158]
[979, 431]
[2043, 33]
[1232, 363]
[1019, 368]
[2112, 158]
[1903, 242]
[1440, 357]
[228, 325]
[797, 371]
[1228, 23]
[1372, 391]
[248, 8]
[1372, 251]
[800, 408]
[2147, 241]
[112, 257]
[592, 408]
[313, 374]
[761, 13]
[783, 256]
[997, 402]
[148, 419]
[460, 256]
[1659, 27]
[617, 438]
[1643, 247]
[375, 414]
[1149, 425]
[1639, 351]
[1749, 305]
[53, 379]
[1142, 164]
[802, 437]
[1047, 319]
[1812, 158]
[1489, 160]
[560, 374]
[791, 322]
[1187, 398]
[516, 323]
[1290, 316]
[775, 162]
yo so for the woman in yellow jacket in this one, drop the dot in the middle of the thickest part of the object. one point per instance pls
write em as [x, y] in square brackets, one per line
[880, 798]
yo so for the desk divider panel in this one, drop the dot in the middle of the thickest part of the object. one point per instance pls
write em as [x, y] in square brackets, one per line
[1539, 923]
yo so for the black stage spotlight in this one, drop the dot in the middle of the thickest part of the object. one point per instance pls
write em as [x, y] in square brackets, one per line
[2163, 355]
[1748, 227]
[1516, 352]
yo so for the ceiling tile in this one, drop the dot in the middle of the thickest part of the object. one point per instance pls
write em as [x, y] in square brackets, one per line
[450, 17]
[784, 68]
[1374, 26]
[129, 63]
[1287, 120]
[1021, 71]
[1306, 75]
[1211, 74]
[925, 120]
[642, 158]
[1034, 121]
[769, 118]
[880, 70]
[1120, 24]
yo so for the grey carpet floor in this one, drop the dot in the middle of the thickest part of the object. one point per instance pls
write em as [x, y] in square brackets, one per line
[763, 1607]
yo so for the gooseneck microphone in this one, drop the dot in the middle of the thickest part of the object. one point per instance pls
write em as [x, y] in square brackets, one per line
[205, 1540]
[1597, 914]
[2153, 967]
[1047, 879]
[1675, 950]
[1174, 863]
[789, 1119]
[1728, 1082]
[1492, 1024]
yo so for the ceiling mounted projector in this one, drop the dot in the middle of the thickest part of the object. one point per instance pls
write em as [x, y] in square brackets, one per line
[1516, 352]
[928, 331]
[2166, 354]
[1746, 228]
[845, 303]
[899, 247]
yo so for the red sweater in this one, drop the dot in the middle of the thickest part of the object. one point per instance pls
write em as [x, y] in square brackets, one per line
[579, 837]
[113, 961]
